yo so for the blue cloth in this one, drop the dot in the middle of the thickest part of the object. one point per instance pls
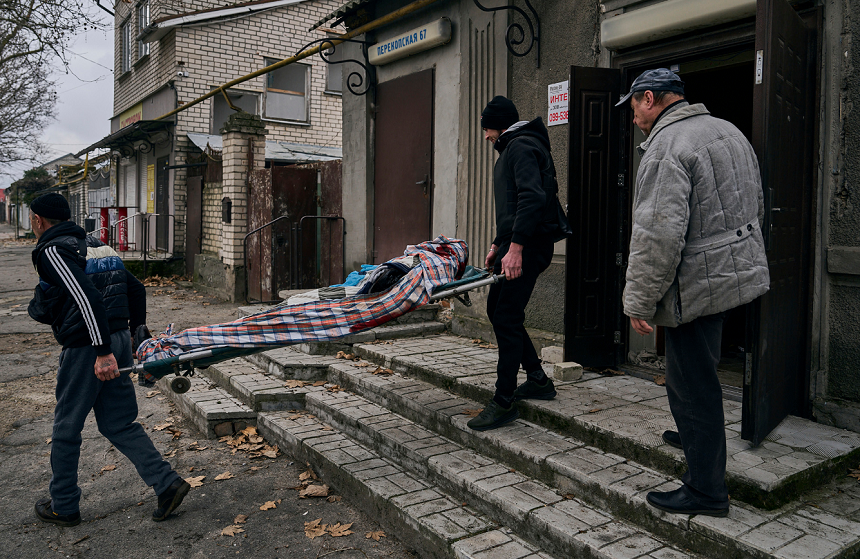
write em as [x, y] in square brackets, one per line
[115, 405]
[354, 278]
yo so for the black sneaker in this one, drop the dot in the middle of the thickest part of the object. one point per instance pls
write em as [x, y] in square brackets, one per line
[170, 499]
[673, 439]
[531, 390]
[45, 514]
[493, 416]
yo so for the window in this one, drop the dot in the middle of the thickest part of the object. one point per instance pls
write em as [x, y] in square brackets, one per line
[125, 47]
[334, 72]
[221, 111]
[286, 89]
[142, 23]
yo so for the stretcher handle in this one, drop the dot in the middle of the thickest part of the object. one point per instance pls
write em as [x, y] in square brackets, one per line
[495, 278]
[174, 360]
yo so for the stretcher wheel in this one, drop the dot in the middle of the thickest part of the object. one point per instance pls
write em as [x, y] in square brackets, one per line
[180, 385]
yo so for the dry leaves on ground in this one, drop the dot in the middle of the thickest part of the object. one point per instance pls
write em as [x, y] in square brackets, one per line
[314, 529]
[307, 474]
[484, 345]
[300, 414]
[854, 473]
[660, 380]
[347, 356]
[471, 413]
[109, 468]
[292, 383]
[375, 535]
[152, 393]
[162, 427]
[196, 446]
[225, 475]
[159, 281]
[170, 454]
[339, 530]
[334, 388]
[232, 530]
[383, 371]
[195, 481]
[334, 498]
[314, 491]
[270, 505]
[240, 519]
[595, 410]
[250, 442]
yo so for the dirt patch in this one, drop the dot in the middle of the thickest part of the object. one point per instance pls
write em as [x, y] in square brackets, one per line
[24, 400]
[27, 343]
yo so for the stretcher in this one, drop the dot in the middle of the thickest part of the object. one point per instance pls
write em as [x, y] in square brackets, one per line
[183, 365]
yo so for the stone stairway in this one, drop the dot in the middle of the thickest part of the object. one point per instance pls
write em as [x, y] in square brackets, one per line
[567, 480]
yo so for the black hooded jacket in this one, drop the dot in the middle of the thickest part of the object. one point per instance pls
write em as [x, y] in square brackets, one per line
[525, 187]
[84, 293]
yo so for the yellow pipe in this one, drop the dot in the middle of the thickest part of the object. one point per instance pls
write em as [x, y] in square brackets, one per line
[76, 181]
[393, 16]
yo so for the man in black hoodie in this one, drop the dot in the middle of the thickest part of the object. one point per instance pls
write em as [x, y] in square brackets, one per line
[88, 297]
[529, 220]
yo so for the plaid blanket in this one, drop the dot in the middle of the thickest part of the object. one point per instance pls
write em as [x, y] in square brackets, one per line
[441, 260]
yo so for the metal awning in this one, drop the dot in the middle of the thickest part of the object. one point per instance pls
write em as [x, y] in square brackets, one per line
[282, 152]
[140, 130]
[340, 13]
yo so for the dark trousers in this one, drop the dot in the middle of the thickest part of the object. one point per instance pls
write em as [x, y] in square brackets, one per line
[696, 401]
[506, 308]
[115, 406]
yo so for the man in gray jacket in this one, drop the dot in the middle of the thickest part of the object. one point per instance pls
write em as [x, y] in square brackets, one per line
[696, 251]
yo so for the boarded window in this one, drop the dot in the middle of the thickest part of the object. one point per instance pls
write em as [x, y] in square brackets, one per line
[142, 23]
[221, 111]
[286, 92]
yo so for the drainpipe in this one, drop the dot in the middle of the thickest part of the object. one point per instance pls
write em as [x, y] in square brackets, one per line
[385, 20]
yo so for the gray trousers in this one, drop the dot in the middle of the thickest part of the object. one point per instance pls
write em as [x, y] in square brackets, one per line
[115, 406]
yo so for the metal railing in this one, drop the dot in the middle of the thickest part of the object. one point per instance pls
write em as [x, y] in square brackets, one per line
[295, 257]
[134, 237]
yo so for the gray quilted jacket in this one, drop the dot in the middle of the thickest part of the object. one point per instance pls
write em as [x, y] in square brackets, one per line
[696, 247]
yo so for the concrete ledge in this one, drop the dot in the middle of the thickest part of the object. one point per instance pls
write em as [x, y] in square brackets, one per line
[212, 410]
[843, 260]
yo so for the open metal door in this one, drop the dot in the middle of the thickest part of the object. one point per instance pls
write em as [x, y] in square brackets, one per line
[776, 375]
[596, 210]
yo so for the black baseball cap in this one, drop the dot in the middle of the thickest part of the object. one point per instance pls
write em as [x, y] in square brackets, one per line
[660, 79]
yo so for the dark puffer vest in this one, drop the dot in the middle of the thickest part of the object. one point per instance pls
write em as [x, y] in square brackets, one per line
[55, 305]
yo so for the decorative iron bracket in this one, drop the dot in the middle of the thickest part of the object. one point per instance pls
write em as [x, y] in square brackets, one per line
[354, 81]
[510, 40]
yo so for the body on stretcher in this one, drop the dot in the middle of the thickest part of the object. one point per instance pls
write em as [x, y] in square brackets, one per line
[183, 365]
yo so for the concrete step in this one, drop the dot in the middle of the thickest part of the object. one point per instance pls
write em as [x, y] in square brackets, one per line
[569, 466]
[212, 409]
[421, 514]
[539, 513]
[625, 416]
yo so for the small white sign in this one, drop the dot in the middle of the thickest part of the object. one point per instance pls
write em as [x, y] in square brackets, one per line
[417, 40]
[558, 103]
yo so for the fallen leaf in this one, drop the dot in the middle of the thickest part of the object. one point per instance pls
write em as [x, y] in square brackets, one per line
[568, 496]
[195, 481]
[339, 530]
[375, 535]
[313, 528]
[595, 410]
[48, 440]
[152, 393]
[250, 430]
[294, 383]
[268, 505]
[471, 413]
[660, 380]
[334, 388]
[170, 454]
[308, 474]
[319, 383]
[334, 498]
[109, 468]
[225, 475]
[162, 427]
[232, 530]
[240, 519]
[314, 491]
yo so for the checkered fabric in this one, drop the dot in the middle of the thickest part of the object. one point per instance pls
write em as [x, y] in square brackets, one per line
[442, 260]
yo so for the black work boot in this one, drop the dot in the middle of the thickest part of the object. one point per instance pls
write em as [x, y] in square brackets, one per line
[673, 439]
[493, 416]
[170, 499]
[46, 514]
[531, 390]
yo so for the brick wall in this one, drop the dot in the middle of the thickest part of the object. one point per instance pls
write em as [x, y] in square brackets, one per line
[212, 194]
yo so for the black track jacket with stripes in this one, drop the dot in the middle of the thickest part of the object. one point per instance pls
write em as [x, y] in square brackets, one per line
[85, 306]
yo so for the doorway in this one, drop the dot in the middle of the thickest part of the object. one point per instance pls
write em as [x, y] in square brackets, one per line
[722, 82]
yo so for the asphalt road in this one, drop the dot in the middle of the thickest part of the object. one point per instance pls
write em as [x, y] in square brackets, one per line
[116, 506]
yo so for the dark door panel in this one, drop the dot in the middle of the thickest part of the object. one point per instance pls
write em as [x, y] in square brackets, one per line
[595, 209]
[162, 204]
[403, 164]
[777, 371]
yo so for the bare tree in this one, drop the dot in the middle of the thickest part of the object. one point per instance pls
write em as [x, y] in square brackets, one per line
[34, 36]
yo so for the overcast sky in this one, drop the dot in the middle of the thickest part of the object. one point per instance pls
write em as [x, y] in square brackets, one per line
[85, 99]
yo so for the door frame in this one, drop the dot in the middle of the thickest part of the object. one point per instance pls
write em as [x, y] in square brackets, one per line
[722, 39]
